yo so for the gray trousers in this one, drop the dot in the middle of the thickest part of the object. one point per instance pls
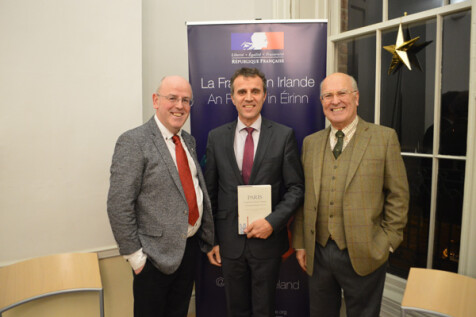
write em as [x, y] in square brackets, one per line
[333, 275]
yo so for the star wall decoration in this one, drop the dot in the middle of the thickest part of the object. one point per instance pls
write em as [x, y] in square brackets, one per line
[404, 51]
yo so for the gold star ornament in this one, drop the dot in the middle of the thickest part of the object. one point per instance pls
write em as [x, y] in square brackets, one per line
[404, 51]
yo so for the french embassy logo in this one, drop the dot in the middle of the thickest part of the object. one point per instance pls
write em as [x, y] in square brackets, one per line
[257, 41]
[265, 47]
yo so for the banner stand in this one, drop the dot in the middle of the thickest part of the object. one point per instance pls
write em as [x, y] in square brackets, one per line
[292, 55]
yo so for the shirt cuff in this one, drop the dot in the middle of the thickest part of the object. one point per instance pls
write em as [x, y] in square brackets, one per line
[136, 259]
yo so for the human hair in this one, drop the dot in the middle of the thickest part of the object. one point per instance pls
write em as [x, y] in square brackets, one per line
[174, 79]
[353, 82]
[247, 72]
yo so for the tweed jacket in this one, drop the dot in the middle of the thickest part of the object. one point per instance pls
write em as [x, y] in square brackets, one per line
[146, 203]
[375, 202]
[276, 163]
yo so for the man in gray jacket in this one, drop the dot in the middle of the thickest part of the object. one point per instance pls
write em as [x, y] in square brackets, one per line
[158, 205]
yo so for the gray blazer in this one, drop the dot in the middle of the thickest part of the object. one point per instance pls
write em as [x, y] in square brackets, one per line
[146, 203]
[276, 163]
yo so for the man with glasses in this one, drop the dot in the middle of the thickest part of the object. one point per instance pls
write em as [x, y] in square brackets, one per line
[158, 204]
[252, 150]
[355, 205]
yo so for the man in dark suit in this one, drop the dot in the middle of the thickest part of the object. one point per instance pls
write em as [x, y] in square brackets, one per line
[355, 205]
[158, 204]
[251, 262]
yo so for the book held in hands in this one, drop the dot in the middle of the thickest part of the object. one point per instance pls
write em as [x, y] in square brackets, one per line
[254, 202]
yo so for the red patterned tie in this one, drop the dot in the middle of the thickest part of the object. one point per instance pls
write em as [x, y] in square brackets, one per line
[248, 155]
[186, 180]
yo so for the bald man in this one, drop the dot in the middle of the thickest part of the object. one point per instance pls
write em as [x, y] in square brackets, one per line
[355, 205]
[158, 205]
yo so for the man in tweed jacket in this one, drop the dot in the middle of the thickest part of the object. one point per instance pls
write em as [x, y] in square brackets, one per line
[148, 208]
[355, 205]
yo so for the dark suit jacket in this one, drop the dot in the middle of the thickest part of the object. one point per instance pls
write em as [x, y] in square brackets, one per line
[375, 199]
[146, 203]
[276, 163]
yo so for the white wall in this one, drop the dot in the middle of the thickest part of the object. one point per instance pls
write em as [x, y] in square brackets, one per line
[70, 83]
[74, 75]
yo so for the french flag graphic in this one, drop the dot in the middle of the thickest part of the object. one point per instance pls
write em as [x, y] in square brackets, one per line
[257, 41]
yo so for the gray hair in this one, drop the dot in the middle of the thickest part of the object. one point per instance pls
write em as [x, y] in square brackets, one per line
[353, 82]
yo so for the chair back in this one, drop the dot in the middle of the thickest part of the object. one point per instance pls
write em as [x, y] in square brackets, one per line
[49, 275]
[439, 292]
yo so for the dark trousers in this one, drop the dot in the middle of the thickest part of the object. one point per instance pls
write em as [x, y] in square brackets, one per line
[334, 274]
[157, 294]
[250, 285]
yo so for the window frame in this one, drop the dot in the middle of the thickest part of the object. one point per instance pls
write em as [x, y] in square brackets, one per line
[376, 29]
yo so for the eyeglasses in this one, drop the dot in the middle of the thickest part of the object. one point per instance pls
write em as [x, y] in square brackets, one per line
[175, 99]
[341, 94]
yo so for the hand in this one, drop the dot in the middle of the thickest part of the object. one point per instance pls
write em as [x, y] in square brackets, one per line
[260, 229]
[301, 258]
[137, 272]
[214, 256]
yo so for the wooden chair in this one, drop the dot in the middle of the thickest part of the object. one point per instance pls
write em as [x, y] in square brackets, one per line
[440, 293]
[49, 275]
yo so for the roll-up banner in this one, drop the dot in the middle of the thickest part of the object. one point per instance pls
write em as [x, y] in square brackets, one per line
[292, 55]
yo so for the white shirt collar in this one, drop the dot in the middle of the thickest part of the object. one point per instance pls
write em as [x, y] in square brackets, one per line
[256, 125]
[165, 132]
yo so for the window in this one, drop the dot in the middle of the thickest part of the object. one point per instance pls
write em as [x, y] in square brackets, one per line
[427, 108]
[406, 99]
[357, 57]
[360, 13]
[397, 8]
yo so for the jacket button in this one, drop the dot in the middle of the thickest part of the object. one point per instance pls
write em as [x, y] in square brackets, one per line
[312, 231]
[184, 212]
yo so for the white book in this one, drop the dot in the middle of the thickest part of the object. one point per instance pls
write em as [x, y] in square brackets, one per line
[254, 202]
